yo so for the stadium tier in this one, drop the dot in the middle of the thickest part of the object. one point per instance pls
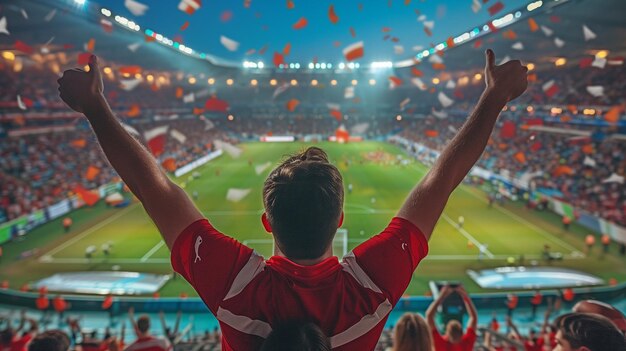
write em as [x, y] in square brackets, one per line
[208, 102]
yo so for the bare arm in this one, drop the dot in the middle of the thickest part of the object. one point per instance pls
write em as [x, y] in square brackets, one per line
[469, 305]
[432, 309]
[177, 324]
[167, 204]
[163, 324]
[514, 329]
[133, 322]
[427, 200]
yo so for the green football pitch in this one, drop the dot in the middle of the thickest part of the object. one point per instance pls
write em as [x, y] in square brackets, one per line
[380, 184]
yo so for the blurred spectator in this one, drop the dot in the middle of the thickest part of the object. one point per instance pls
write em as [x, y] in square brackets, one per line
[583, 331]
[296, 337]
[603, 309]
[454, 339]
[50, 340]
[412, 333]
[145, 341]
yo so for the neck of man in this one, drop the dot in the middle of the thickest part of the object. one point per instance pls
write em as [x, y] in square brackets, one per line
[305, 262]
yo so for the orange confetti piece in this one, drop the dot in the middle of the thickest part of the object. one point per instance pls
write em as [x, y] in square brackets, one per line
[428, 31]
[287, 49]
[332, 16]
[386, 29]
[169, 164]
[352, 32]
[450, 42]
[292, 104]
[416, 72]
[302, 22]
[278, 59]
[533, 25]
[91, 45]
[92, 172]
[290, 4]
[79, 143]
[198, 111]
[134, 111]
[149, 39]
[612, 115]
[184, 26]
[509, 34]
[439, 66]
[179, 92]
[395, 81]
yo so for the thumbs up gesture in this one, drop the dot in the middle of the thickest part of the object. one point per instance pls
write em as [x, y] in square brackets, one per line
[508, 80]
[80, 89]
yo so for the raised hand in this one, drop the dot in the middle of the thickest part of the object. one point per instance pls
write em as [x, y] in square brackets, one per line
[80, 89]
[508, 80]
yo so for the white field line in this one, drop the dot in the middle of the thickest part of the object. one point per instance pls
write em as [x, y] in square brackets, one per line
[152, 251]
[89, 231]
[537, 229]
[467, 235]
[83, 261]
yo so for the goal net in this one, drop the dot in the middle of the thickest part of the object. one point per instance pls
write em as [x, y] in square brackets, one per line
[265, 247]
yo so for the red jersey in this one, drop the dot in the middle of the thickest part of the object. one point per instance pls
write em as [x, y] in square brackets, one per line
[149, 343]
[20, 343]
[349, 300]
[467, 342]
[536, 299]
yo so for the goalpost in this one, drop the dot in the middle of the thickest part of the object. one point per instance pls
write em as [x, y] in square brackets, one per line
[265, 247]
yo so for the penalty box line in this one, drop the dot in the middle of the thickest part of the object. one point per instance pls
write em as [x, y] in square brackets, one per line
[88, 231]
[537, 229]
[467, 235]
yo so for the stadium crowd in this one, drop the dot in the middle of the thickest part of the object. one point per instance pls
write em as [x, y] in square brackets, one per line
[567, 324]
[33, 176]
[576, 169]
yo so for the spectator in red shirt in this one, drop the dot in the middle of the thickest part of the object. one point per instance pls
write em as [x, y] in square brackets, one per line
[511, 304]
[60, 305]
[412, 333]
[145, 341]
[454, 339]
[50, 340]
[303, 199]
[535, 301]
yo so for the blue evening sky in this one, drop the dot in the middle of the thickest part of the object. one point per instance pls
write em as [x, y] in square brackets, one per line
[269, 22]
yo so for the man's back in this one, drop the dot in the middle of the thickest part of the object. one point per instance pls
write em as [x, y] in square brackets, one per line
[350, 300]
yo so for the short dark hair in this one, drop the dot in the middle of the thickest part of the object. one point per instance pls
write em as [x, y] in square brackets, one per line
[6, 335]
[595, 332]
[143, 324]
[296, 336]
[303, 199]
[50, 340]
